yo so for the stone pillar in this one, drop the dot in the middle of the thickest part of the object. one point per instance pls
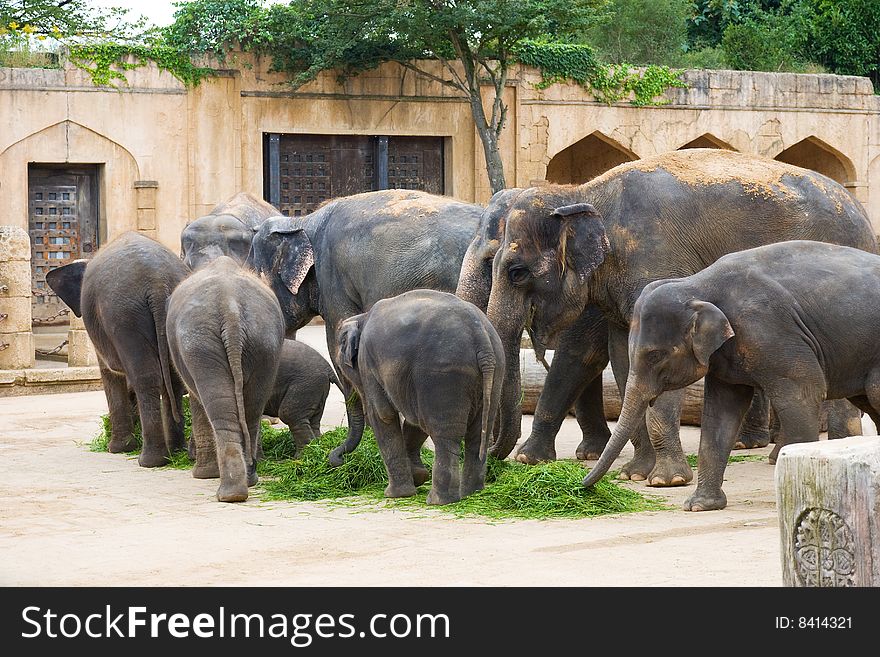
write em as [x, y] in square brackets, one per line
[828, 499]
[146, 206]
[16, 338]
[80, 352]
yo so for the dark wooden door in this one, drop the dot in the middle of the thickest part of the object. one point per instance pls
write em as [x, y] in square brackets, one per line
[63, 226]
[312, 169]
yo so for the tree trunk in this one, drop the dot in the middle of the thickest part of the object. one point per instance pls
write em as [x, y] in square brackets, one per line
[489, 139]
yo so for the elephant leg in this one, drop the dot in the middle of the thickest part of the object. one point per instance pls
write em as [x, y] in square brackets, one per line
[445, 477]
[724, 407]
[121, 412]
[671, 467]
[644, 459]
[414, 438]
[154, 452]
[569, 382]
[232, 462]
[473, 476]
[302, 433]
[797, 405]
[174, 438]
[393, 450]
[844, 419]
[755, 431]
[202, 438]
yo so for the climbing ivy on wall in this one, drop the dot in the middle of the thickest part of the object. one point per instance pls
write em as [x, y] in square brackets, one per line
[107, 62]
[608, 83]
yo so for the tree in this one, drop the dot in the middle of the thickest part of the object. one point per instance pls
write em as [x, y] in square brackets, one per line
[60, 19]
[474, 40]
[642, 31]
[844, 36]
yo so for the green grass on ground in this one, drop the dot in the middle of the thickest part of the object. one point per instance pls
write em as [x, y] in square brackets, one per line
[513, 490]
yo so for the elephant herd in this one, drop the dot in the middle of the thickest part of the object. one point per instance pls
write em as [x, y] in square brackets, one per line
[756, 275]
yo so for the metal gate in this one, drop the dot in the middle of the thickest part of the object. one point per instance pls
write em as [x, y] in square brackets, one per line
[303, 171]
[63, 226]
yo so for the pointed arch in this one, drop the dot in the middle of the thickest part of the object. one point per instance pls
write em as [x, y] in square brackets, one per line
[813, 153]
[707, 140]
[587, 158]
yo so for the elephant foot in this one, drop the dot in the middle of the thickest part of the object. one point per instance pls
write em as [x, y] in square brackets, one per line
[336, 457]
[536, 451]
[420, 475]
[670, 472]
[639, 467]
[118, 446]
[752, 439]
[402, 490]
[191, 449]
[775, 453]
[152, 458]
[591, 448]
[236, 492]
[438, 499]
[206, 471]
[470, 489]
[700, 501]
[252, 479]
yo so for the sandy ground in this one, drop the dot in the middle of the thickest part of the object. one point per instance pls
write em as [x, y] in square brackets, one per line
[71, 517]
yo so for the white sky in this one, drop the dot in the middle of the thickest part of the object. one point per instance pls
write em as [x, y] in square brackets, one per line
[160, 12]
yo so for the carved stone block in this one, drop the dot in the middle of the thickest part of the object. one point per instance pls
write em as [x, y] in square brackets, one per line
[828, 499]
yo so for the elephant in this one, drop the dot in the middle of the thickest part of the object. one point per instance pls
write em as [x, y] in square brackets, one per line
[670, 215]
[225, 332]
[435, 360]
[300, 391]
[770, 318]
[120, 294]
[227, 229]
[353, 251]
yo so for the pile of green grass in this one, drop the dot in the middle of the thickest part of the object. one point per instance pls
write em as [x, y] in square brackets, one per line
[513, 490]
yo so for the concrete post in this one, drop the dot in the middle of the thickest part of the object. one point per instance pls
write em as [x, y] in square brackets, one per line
[80, 352]
[16, 338]
[828, 499]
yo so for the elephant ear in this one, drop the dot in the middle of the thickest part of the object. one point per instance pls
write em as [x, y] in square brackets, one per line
[710, 329]
[284, 251]
[66, 282]
[349, 340]
[583, 243]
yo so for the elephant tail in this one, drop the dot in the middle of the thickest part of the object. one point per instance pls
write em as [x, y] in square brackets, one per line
[487, 367]
[160, 313]
[233, 342]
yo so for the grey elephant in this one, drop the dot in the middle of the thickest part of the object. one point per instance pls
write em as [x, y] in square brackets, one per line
[341, 259]
[767, 318]
[670, 215]
[225, 331]
[300, 391]
[227, 229]
[120, 295]
[436, 361]
[581, 354]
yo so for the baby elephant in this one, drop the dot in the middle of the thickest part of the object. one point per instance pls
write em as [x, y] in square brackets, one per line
[225, 331]
[300, 393]
[797, 320]
[437, 361]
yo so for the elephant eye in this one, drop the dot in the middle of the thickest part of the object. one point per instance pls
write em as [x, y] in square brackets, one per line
[654, 356]
[518, 274]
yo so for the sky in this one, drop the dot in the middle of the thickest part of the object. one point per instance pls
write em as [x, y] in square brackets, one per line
[160, 12]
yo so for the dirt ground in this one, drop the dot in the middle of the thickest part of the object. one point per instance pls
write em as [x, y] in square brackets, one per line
[71, 517]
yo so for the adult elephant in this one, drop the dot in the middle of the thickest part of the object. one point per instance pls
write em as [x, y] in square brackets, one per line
[227, 229]
[353, 251]
[667, 216]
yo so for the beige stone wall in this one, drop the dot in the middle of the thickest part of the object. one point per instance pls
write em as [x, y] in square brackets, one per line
[168, 154]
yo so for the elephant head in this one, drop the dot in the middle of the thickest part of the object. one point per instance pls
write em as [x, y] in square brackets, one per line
[551, 245]
[672, 338]
[283, 257]
[67, 282]
[475, 278]
[348, 342]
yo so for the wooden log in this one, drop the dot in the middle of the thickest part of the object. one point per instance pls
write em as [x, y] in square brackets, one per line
[533, 374]
[828, 500]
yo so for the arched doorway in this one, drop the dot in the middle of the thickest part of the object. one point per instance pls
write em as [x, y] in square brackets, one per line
[585, 159]
[813, 153]
[707, 140]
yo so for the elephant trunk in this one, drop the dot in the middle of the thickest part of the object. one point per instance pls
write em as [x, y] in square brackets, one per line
[510, 327]
[472, 286]
[632, 415]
